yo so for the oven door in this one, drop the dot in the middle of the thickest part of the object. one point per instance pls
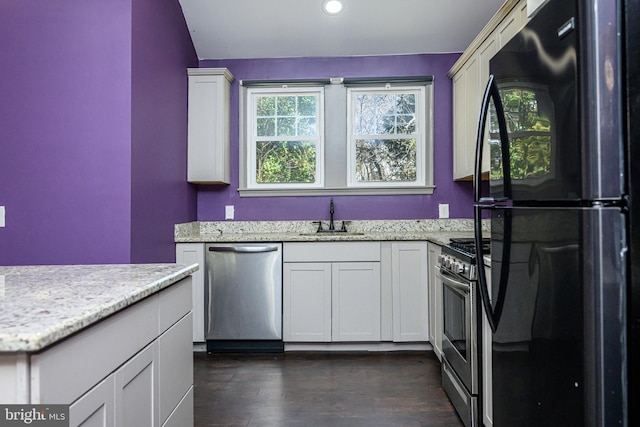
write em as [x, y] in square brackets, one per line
[459, 337]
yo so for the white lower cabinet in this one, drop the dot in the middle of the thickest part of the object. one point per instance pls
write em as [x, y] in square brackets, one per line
[331, 292]
[409, 281]
[355, 304]
[134, 368]
[175, 373]
[435, 298]
[150, 389]
[307, 302]
[193, 253]
[136, 394]
[96, 407]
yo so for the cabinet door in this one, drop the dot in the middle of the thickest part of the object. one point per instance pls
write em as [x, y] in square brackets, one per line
[306, 302]
[208, 126]
[96, 407]
[175, 362]
[190, 253]
[487, 389]
[486, 51]
[435, 301]
[410, 291]
[510, 26]
[459, 125]
[356, 301]
[183, 414]
[466, 105]
[136, 390]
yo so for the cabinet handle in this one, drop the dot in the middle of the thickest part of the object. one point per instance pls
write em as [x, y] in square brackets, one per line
[243, 249]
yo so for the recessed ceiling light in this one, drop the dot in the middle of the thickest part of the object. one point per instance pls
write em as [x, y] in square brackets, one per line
[332, 7]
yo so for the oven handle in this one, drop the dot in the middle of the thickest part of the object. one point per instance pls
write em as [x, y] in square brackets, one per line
[452, 282]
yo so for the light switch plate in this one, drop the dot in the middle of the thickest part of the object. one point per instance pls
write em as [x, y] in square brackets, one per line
[1, 216]
[443, 210]
[229, 212]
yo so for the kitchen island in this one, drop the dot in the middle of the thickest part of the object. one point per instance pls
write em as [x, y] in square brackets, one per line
[111, 341]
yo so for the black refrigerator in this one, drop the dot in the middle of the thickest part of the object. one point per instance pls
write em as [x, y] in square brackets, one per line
[560, 117]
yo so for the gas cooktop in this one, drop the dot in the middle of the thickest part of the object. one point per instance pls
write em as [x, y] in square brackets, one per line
[464, 249]
[468, 245]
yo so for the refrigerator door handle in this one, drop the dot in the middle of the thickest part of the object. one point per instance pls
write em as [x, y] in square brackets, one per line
[492, 92]
[493, 314]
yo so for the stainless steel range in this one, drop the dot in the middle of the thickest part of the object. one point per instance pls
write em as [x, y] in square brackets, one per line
[461, 334]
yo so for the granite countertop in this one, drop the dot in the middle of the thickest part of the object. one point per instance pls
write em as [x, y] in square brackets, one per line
[40, 305]
[437, 231]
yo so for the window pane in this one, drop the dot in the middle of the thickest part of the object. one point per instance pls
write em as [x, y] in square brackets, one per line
[285, 162]
[386, 125]
[385, 104]
[266, 127]
[286, 106]
[406, 104]
[266, 106]
[286, 126]
[386, 160]
[406, 124]
[307, 106]
[384, 114]
[307, 126]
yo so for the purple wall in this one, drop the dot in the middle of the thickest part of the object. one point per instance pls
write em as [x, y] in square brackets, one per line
[212, 199]
[68, 114]
[160, 195]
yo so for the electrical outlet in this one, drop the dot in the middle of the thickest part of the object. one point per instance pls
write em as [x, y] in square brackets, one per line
[443, 210]
[1, 216]
[229, 212]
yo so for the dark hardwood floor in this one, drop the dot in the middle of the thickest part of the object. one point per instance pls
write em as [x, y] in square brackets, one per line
[321, 389]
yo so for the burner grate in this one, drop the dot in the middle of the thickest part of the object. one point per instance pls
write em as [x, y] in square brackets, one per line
[467, 245]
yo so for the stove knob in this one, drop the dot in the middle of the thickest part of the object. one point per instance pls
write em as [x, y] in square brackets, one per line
[459, 267]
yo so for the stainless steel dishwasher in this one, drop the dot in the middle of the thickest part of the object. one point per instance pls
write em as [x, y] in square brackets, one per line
[243, 297]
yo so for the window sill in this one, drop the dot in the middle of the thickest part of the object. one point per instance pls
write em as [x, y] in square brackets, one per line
[378, 191]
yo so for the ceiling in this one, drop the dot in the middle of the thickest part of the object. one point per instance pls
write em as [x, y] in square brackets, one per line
[299, 28]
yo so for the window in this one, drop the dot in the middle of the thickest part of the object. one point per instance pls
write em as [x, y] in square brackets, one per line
[386, 136]
[285, 138]
[336, 136]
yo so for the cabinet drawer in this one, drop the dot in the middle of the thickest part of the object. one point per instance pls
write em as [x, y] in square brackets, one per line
[175, 302]
[331, 251]
[67, 370]
[175, 366]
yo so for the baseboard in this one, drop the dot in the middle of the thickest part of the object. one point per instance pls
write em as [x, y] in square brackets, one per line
[383, 346]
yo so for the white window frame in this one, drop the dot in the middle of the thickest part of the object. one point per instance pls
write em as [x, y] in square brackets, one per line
[420, 135]
[252, 137]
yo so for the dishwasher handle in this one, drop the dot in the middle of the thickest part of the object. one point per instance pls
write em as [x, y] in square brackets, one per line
[243, 249]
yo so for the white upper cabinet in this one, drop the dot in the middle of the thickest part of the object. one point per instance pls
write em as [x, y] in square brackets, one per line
[466, 104]
[469, 76]
[514, 21]
[533, 6]
[208, 159]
